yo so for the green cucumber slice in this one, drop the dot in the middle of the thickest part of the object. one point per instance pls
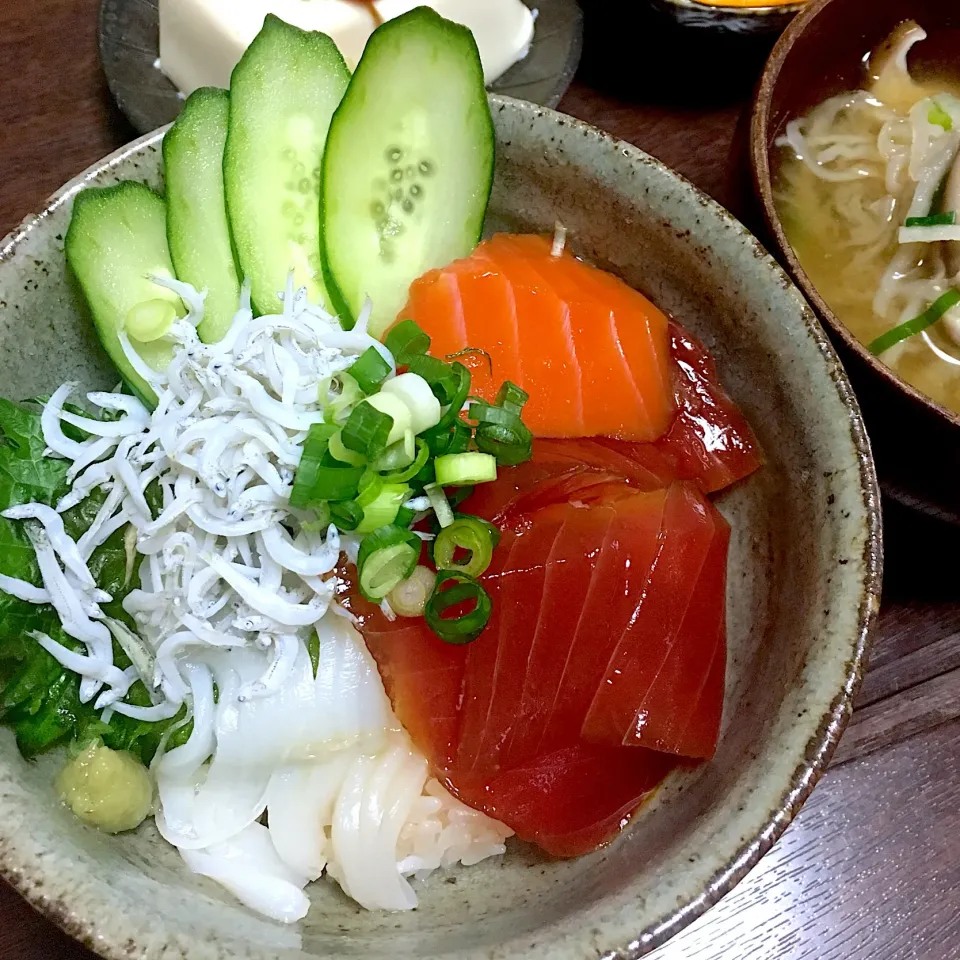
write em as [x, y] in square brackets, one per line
[197, 227]
[408, 166]
[116, 241]
[282, 95]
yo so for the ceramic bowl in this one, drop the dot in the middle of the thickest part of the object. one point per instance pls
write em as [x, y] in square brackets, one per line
[916, 441]
[803, 593]
[760, 18]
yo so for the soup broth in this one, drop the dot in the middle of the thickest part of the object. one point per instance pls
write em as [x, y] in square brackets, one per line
[853, 170]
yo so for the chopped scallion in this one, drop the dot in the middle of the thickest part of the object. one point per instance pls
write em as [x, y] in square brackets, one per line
[340, 452]
[451, 591]
[511, 397]
[311, 460]
[947, 219]
[383, 508]
[367, 430]
[370, 370]
[409, 597]
[313, 648]
[454, 438]
[347, 514]
[347, 394]
[918, 324]
[471, 534]
[369, 488]
[456, 401]
[939, 117]
[404, 517]
[458, 495]
[465, 469]
[150, 319]
[386, 557]
[438, 501]
[406, 341]
[443, 380]
[404, 474]
[321, 519]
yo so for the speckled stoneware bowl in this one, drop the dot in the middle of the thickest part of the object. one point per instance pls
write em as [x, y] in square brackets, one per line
[803, 592]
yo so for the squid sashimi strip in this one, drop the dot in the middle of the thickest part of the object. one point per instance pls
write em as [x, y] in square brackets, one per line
[654, 678]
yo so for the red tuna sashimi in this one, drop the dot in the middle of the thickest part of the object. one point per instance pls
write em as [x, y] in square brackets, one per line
[574, 800]
[650, 692]
[709, 440]
[558, 465]
[516, 748]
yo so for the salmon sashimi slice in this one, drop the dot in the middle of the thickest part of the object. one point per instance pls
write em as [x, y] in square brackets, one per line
[502, 720]
[640, 345]
[489, 310]
[545, 323]
[607, 354]
[655, 680]
[596, 363]
[546, 350]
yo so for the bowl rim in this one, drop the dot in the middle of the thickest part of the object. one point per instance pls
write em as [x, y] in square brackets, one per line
[760, 168]
[20, 870]
[754, 9]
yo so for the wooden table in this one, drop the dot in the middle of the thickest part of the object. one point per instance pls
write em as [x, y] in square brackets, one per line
[870, 870]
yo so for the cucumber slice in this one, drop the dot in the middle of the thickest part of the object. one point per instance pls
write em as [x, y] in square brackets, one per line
[408, 166]
[197, 228]
[282, 95]
[116, 241]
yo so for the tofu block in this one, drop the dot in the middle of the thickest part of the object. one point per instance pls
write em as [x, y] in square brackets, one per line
[202, 40]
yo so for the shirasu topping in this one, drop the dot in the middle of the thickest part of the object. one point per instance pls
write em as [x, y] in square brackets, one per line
[226, 560]
[233, 585]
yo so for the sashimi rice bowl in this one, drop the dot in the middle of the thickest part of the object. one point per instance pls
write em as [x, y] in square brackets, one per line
[386, 552]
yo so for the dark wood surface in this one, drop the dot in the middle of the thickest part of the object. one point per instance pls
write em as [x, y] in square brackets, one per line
[870, 870]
